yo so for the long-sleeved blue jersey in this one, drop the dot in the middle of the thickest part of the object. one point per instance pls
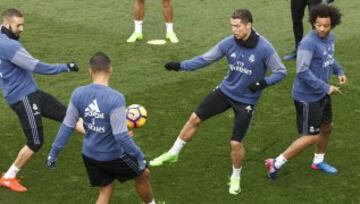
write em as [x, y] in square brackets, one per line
[315, 63]
[246, 66]
[16, 68]
[103, 112]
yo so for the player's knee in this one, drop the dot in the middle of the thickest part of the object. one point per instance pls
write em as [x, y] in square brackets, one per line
[194, 120]
[35, 146]
[326, 128]
[145, 175]
[236, 145]
[314, 139]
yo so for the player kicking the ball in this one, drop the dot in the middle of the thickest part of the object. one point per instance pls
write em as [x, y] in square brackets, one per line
[249, 56]
[22, 94]
[109, 153]
[315, 63]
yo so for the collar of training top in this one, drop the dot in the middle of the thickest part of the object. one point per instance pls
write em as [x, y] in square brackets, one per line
[9, 33]
[251, 42]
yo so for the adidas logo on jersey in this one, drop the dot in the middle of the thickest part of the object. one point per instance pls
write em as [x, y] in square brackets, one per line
[93, 110]
[233, 55]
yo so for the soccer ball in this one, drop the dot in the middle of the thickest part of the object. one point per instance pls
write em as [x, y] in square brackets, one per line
[136, 116]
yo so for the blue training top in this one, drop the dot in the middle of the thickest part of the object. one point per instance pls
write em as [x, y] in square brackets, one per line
[16, 67]
[315, 63]
[103, 112]
[246, 66]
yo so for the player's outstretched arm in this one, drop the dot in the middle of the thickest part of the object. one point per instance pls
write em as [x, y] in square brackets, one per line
[24, 60]
[211, 56]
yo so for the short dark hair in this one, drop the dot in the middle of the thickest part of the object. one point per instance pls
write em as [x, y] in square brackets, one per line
[100, 62]
[325, 11]
[12, 12]
[243, 14]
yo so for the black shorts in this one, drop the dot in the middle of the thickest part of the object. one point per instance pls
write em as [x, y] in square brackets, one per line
[217, 102]
[310, 115]
[31, 109]
[102, 173]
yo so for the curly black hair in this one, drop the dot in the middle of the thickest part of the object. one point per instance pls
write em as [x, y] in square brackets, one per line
[325, 11]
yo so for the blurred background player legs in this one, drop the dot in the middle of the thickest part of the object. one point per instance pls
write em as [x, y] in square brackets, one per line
[169, 15]
[139, 11]
[297, 15]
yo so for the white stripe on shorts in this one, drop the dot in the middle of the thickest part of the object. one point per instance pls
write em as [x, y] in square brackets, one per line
[32, 121]
[305, 129]
[130, 163]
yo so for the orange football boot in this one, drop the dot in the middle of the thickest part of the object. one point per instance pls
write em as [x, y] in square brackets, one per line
[12, 184]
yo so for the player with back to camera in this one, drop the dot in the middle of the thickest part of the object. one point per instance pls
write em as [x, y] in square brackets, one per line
[315, 63]
[22, 94]
[139, 11]
[108, 152]
[249, 57]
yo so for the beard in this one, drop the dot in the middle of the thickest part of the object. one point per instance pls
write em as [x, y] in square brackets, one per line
[9, 32]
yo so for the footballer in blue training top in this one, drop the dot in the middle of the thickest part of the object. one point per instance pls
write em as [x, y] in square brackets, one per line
[109, 152]
[249, 56]
[22, 93]
[314, 67]
[315, 64]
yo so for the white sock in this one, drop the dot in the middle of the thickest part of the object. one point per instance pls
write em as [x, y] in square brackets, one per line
[169, 27]
[11, 173]
[138, 26]
[177, 146]
[236, 172]
[152, 202]
[279, 161]
[318, 158]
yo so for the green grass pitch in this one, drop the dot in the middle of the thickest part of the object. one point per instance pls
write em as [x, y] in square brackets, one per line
[61, 31]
